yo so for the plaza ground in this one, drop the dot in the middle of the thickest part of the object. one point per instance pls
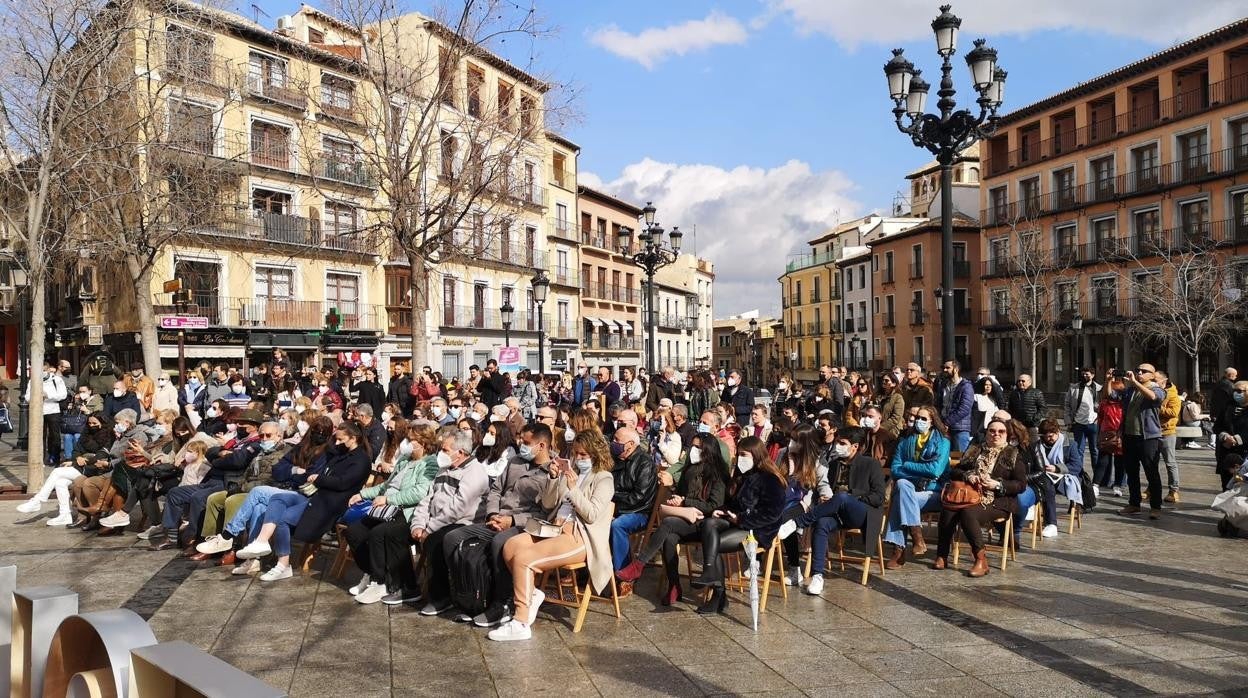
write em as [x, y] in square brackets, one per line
[1124, 607]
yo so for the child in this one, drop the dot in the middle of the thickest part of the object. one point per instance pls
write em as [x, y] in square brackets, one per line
[194, 463]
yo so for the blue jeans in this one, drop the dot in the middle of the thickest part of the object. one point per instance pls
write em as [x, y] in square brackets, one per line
[256, 503]
[621, 528]
[68, 441]
[908, 504]
[844, 510]
[1085, 442]
[194, 498]
[959, 440]
[284, 511]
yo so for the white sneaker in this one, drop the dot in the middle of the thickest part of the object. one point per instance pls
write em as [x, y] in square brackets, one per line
[30, 506]
[254, 550]
[277, 572]
[363, 584]
[1049, 531]
[249, 567]
[786, 529]
[794, 577]
[64, 519]
[118, 519]
[816, 585]
[510, 631]
[372, 593]
[214, 545]
[1117, 491]
[538, 597]
[1096, 491]
[151, 531]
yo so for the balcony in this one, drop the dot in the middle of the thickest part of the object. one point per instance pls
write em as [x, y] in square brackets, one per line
[610, 341]
[961, 316]
[890, 320]
[594, 238]
[482, 318]
[795, 299]
[814, 328]
[916, 270]
[285, 92]
[337, 106]
[183, 67]
[520, 192]
[252, 226]
[563, 230]
[1229, 91]
[918, 316]
[344, 169]
[188, 144]
[814, 296]
[563, 178]
[616, 293]
[886, 276]
[564, 276]
[834, 294]
[398, 321]
[672, 321]
[276, 155]
[849, 325]
[809, 260]
[564, 329]
[279, 314]
[862, 324]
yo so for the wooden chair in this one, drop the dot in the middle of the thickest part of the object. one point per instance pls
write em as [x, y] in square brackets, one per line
[1006, 547]
[580, 598]
[661, 494]
[339, 566]
[774, 565]
[866, 562]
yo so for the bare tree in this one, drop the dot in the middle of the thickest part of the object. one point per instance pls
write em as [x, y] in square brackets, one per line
[1029, 303]
[446, 159]
[49, 61]
[1183, 291]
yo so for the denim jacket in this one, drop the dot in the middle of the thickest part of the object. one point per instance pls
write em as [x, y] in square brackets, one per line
[1150, 419]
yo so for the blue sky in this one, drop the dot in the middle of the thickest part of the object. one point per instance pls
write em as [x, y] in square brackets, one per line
[765, 122]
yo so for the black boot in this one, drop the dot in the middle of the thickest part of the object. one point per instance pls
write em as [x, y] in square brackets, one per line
[716, 604]
[711, 575]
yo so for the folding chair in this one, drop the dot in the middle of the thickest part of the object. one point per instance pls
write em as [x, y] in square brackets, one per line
[580, 598]
[1006, 547]
[339, 566]
[866, 562]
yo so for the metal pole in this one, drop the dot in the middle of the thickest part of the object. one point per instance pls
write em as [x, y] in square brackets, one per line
[946, 255]
[181, 357]
[650, 321]
[541, 336]
[23, 352]
[506, 334]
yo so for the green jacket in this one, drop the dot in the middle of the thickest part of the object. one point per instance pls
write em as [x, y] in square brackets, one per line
[415, 485]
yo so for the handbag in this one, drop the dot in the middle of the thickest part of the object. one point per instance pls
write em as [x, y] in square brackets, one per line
[958, 495]
[73, 422]
[1109, 440]
[385, 512]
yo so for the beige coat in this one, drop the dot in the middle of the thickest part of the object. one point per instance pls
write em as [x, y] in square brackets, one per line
[594, 510]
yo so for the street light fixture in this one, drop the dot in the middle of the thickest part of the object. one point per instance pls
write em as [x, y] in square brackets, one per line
[1076, 324]
[508, 313]
[17, 282]
[651, 255]
[540, 285]
[753, 351]
[949, 133]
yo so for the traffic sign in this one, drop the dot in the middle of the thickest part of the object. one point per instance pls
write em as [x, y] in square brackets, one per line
[183, 322]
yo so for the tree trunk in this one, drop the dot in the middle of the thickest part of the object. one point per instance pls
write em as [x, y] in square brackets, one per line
[141, 280]
[420, 305]
[38, 334]
[1031, 367]
[1195, 379]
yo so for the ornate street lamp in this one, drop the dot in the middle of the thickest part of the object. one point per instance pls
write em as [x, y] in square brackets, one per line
[652, 253]
[1076, 324]
[540, 285]
[949, 133]
[508, 314]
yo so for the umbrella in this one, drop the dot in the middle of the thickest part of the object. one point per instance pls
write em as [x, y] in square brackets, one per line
[750, 547]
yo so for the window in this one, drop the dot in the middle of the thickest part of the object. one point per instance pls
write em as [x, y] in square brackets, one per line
[270, 201]
[1144, 162]
[999, 201]
[1064, 187]
[1194, 218]
[1105, 236]
[339, 161]
[1000, 306]
[448, 155]
[916, 262]
[1029, 194]
[1194, 151]
[188, 53]
[274, 283]
[478, 305]
[889, 317]
[849, 280]
[888, 266]
[270, 145]
[892, 351]
[446, 77]
[1067, 241]
[342, 291]
[919, 355]
[267, 75]
[476, 81]
[528, 114]
[1239, 141]
[339, 219]
[998, 255]
[504, 240]
[337, 96]
[1105, 297]
[1067, 299]
[530, 245]
[1103, 176]
[505, 97]
[315, 36]
[202, 280]
[1239, 215]
[448, 301]
[478, 233]
[559, 165]
[191, 127]
[862, 276]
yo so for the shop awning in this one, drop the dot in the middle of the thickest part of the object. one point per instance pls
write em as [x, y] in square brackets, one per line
[595, 321]
[623, 327]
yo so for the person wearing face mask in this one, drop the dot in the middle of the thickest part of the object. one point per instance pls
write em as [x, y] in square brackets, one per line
[856, 482]
[98, 492]
[453, 502]
[514, 497]
[303, 517]
[636, 484]
[712, 422]
[754, 503]
[577, 499]
[582, 384]
[165, 396]
[919, 466]
[118, 399]
[1231, 427]
[700, 491]
[62, 477]
[191, 394]
[785, 389]
[326, 398]
[379, 538]
[238, 399]
[877, 442]
[218, 386]
[142, 386]
[497, 449]
[1142, 399]
[214, 419]
[440, 413]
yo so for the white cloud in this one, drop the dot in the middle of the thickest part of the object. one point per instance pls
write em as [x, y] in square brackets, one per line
[856, 22]
[652, 46]
[748, 219]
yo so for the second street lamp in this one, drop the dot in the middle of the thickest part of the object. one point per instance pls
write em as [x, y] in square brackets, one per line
[949, 133]
[651, 254]
[508, 313]
[540, 285]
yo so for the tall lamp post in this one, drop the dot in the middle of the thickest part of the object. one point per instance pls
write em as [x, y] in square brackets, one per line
[949, 133]
[653, 253]
[753, 352]
[508, 313]
[540, 285]
[1076, 324]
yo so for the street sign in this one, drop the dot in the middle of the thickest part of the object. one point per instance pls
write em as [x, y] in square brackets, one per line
[183, 322]
[95, 335]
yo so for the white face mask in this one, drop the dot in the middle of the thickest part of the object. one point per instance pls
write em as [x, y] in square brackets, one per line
[569, 435]
[922, 425]
[302, 427]
[695, 455]
[405, 448]
[299, 409]
[444, 459]
[237, 389]
[437, 411]
[212, 413]
[841, 450]
[745, 463]
[732, 382]
[386, 417]
[783, 386]
[118, 393]
[583, 465]
[867, 422]
[488, 440]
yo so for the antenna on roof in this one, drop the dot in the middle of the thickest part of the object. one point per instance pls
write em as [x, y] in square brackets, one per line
[256, 12]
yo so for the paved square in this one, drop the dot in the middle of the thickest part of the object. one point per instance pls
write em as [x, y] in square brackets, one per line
[1124, 607]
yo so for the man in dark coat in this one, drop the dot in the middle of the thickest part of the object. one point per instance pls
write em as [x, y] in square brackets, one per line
[635, 485]
[739, 396]
[493, 385]
[1026, 403]
[400, 389]
[119, 398]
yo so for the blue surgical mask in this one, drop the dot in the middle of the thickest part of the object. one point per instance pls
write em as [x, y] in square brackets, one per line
[583, 465]
[922, 425]
[526, 452]
[1239, 398]
[266, 445]
[159, 429]
[704, 428]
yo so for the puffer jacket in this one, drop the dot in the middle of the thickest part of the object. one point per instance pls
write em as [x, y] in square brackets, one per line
[1027, 406]
[928, 467]
[1169, 412]
[960, 401]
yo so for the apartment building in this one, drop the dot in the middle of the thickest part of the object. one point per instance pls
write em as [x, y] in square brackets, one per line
[905, 274]
[812, 296]
[563, 259]
[611, 298]
[1101, 183]
[685, 313]
[925, 184]
[854, 274]
[745, 342]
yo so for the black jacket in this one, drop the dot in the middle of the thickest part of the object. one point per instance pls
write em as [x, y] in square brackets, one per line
[128, 401]
[344, 474]
[702, 489]
[1027, 406]
[758, 503]
[1221, 399]
[866, 483]
[492, 388]
[742, 400]
[660, 388]
[371, 394]
[230, 467]
[400, 391]
[375, 433]
[635, 483]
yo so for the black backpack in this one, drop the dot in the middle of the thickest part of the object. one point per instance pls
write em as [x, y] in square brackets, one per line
[470, 576]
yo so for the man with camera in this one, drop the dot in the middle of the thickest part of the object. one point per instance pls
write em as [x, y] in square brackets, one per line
[1141, 436]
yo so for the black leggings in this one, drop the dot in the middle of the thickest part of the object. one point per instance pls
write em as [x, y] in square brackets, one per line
[972, 521]
[382, 549]
[718, 536]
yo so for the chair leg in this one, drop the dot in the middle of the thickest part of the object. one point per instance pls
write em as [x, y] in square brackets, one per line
[765, 573]
[586, 596]
[840, 548]
[957, 547]
[615, 598]
[1007, 540]
[879, 550]
[1035, 525]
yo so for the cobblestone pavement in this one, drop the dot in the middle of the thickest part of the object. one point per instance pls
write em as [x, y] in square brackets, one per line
[1124, 607]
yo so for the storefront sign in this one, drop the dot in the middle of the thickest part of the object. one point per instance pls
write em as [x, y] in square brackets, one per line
[509, 359]
[221, 338]
[95, 335]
